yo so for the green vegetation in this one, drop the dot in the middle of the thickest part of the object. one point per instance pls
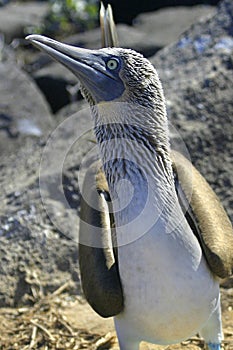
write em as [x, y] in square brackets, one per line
[67, 17]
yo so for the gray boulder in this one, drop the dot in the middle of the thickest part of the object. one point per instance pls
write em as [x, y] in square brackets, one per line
[15, 17]
[23, 110]
[164, 26]
[196, 73]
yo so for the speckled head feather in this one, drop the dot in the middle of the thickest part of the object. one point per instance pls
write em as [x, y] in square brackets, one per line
[140, 79]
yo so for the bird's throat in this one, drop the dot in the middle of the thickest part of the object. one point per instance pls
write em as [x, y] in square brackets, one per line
[138, 170]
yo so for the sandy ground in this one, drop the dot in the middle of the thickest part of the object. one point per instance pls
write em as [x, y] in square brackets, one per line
[61, 321]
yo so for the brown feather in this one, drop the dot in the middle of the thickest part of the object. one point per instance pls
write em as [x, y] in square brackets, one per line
[214, 225]
[98, 267]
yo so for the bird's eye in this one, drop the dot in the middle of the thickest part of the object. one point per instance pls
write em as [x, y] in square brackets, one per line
[112, 64]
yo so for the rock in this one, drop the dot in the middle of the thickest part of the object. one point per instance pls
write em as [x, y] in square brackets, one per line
[15, 17]
[39, 210]
[136, 39]
[73, 142]
[34, 255]
[164, 26]
[129, 37]
[57, 91]
[126, 11]
[196, 73]
[23, 110]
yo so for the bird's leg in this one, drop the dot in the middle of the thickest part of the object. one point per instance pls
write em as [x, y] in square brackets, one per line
[126, 340]
[126, 344]
[212, 346]
[212, 332]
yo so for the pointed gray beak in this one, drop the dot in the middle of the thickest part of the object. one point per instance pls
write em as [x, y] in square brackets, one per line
[88, 65]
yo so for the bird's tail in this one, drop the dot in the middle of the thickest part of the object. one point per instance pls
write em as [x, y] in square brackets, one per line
[109, 36]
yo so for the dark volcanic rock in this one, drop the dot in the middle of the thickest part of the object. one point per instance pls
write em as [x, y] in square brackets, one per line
[56, 90]
[197, 75]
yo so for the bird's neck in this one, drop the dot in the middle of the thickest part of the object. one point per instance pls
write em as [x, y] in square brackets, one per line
[136, 160]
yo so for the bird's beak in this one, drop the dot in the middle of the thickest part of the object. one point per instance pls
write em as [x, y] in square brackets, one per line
[87, 65]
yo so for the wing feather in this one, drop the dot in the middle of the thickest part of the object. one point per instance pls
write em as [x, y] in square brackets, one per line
[205, 215]
[98, 264]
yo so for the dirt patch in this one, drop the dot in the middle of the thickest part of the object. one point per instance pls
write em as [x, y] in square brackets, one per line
[61, 321]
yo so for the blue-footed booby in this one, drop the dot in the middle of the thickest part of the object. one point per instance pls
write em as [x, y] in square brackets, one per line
[153, 236]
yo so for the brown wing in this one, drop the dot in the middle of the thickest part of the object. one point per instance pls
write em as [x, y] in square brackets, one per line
[205, 215]
[98, 265]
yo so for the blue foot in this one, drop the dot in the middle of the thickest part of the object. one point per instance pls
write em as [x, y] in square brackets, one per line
[214, 346]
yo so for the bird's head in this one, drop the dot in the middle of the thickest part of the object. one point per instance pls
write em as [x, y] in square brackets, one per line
[125, 95]
[109, 74]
